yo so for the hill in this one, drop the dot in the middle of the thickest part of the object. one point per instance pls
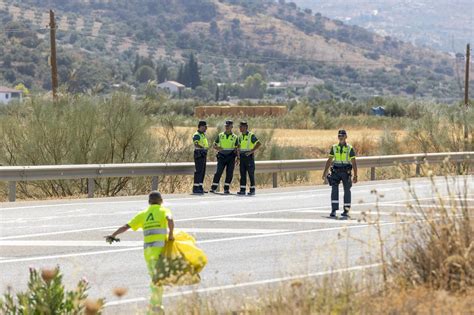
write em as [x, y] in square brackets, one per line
[105, 43]
[442, 24]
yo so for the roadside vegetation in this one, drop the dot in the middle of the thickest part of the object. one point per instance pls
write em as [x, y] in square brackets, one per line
[46, 294]
[119, 129]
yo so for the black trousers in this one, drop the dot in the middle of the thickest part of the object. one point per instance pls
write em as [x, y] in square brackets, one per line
[335, 179]
[200, 159]
[226, 162]
[247, 165]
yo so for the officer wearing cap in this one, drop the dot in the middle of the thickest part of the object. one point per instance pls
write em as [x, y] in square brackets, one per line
[226, 145]
[248, 144]
[342, 162]
[201, 145]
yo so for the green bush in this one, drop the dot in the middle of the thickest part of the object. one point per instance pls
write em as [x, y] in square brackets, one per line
[46, 294]
[75, 130]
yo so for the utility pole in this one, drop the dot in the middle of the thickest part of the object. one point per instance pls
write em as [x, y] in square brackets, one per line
[54, 65]
[466, 87]
[466, 98]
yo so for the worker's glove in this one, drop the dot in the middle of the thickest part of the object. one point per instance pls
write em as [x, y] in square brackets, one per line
[110, 239]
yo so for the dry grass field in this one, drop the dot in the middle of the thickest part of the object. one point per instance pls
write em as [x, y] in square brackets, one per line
[314, 141]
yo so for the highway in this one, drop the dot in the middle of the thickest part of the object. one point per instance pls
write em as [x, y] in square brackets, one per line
[251, 242]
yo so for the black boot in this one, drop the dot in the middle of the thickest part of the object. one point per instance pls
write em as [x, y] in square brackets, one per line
[252, 192]
[241, 192]
[345, 214]
[333, 214]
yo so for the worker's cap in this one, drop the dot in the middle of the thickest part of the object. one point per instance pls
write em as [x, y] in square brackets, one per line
[229, 122]
[202, 123]
[244, 123]
[154, 195]
[342, 132]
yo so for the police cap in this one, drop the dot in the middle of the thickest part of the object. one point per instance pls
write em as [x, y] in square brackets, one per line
[202, 123]
[243, 123]
[229, 122]
[342, 132]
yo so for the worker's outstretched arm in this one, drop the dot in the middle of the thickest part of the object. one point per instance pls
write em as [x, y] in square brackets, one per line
[171, 228]
[354, 168]
[120, 230]
[326, 168]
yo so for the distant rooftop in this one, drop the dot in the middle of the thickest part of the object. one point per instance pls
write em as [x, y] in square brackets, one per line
[4, 89]
[174, 83]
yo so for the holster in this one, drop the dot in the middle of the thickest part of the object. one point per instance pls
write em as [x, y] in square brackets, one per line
[200, 154]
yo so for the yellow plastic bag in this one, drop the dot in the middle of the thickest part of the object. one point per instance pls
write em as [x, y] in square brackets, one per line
[180, 262]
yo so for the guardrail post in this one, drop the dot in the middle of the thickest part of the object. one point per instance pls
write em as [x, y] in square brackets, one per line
[90, 187]
[154, 183]
[418, 169]
[372, 173]
[459, 168]
[275, 180]
[12, 191]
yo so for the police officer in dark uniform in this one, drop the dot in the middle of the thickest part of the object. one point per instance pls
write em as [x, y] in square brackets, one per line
[248, 144]
[226, 144]
[342, 162]
[201, 145]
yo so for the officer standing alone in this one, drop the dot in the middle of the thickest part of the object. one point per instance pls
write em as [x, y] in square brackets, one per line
[342, 160]
[248, 144]
[226, 144]
[201, 146]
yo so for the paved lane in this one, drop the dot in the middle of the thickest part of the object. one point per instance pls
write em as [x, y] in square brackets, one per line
[250, 241]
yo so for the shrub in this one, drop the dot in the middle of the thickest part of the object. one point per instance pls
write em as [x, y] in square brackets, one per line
[46, 294]
[75, 130]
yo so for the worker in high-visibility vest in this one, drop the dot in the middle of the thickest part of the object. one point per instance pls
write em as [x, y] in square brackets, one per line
[157, 224]
[226, 145]
[201, 145]
[248, 144]
[342, 160]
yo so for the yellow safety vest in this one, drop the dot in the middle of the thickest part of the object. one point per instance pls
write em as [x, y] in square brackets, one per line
[227, 143]
[246, 142]
[155, 229]
[203, 142]
[342, 157]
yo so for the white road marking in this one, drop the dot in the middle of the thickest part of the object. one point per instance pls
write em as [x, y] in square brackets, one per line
[182, 220]
[64, 243]
[56, 233]
[402, 204]
[249, 284]
[199, 242]
[287, 220]
[373, 212]
[222, 230]
[313, 192]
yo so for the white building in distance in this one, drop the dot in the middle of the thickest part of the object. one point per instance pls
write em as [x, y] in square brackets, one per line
[7, 95]
[172, 87]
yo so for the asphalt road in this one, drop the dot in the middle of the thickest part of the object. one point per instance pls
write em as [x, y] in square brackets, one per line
[278, 235]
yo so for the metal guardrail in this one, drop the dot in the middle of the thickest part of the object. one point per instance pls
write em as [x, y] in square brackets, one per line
[14, 174]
